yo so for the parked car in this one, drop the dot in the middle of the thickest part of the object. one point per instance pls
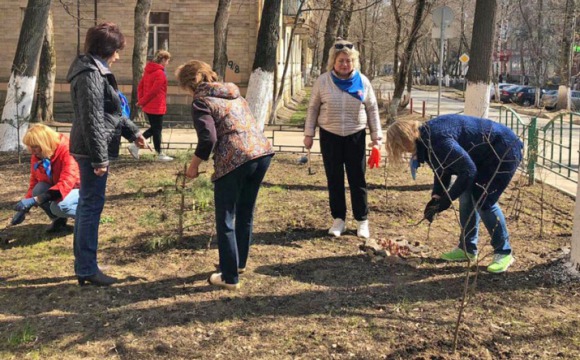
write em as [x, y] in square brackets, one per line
[550, 99]
[525, 95]
[506, 94]
[501, 86]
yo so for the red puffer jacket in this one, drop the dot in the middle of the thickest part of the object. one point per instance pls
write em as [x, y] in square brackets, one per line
[152, 89]
[65, 171]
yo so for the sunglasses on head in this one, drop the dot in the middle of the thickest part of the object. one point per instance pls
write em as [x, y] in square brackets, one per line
[342, 46]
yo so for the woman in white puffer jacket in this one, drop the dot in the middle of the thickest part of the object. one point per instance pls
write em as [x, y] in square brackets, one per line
[342, 104]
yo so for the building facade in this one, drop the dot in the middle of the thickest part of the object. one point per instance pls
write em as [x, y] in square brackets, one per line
[183, 27]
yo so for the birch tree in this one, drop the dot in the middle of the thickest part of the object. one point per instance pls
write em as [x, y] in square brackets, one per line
[575, 253]
[261, 84]
[20, 91]
[220, 38]
[44, 109]
[332, 23]
[478, 75]
[141, 28]
[567, 34]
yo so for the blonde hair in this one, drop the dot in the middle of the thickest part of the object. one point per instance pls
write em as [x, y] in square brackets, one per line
[401, 136]
[333, 53]
[193, 73]
[44, 137]
[161, 55]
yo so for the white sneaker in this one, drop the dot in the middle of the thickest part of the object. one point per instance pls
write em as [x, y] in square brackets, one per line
[362, 230]
[338, 227]
[133, 150]
[163, 157]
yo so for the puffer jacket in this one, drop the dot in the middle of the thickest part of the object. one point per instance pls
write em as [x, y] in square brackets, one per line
[338, 112]
[480, 152]
[238, 137]
[152, 90]
[64, 171]
[98, 119]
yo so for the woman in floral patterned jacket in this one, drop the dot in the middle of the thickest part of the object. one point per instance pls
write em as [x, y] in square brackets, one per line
[241, 153]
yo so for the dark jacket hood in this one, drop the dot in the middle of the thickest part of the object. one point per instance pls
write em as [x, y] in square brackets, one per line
[227, 91]
[86, 63]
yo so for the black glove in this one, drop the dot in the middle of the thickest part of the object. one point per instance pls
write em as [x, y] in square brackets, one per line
[18, 218]
[435, 206]
[431, 209]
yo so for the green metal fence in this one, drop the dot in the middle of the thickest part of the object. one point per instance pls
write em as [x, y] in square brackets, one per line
[557, 144]
[552, 147]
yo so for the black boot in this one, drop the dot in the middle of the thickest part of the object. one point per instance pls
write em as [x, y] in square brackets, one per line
[58, 225]
[98, 279]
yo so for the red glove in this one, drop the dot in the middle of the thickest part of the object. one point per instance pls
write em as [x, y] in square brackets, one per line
[375, 157]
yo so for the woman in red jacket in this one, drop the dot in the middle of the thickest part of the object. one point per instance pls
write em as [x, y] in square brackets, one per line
[54, 177]
[152, 92]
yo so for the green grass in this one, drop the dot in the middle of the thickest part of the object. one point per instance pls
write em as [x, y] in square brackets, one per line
[299, 117]
[22, 336]
[150, 218]
[107, 220]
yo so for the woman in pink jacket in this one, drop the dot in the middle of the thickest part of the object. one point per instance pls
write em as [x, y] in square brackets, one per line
[152, 93]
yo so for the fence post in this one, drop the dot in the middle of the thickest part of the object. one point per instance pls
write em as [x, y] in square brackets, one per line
[423, 112]
[532, 150]
[411, 106]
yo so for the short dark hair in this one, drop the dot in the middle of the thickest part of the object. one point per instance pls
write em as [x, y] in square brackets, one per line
[104, 39]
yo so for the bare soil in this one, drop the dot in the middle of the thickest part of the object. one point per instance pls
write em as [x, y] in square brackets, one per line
[305, 295]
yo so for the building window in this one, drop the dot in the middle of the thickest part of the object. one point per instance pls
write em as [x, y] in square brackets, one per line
[158, 33]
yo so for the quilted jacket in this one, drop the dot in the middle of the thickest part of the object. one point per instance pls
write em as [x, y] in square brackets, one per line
[152, 90]
[98, 120]
[479, 152]
[340, 113]
[238, 137]
[64, 171]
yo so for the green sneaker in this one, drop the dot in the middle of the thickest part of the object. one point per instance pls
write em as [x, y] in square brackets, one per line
[500, 263]
[458, 254]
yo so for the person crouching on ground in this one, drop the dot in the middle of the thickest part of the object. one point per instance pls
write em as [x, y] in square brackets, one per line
[483, 155]
[54, 178]
[241, 153]
[342, 104]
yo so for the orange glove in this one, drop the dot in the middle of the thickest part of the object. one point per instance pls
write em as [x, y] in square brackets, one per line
[375, 157]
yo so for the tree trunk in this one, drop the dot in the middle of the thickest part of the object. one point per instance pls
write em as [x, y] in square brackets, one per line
[141, 29]
[20, 91]
[220, 38]
[564, 87]
[43, 112]
[421, 9]
[478, 75]
[399, 28]
[260, 87]
[345, 19]
[330, 33]
[575, 251]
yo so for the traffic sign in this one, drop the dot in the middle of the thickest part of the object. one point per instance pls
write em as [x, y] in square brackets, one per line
[464, 58]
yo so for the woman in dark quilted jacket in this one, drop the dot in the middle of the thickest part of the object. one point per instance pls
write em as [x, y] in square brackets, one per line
[483, 155]
[152, 93]
[241, 153]
[97, 124]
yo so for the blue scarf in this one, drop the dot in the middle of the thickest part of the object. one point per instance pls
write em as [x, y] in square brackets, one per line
[46, 164]
[353, 85]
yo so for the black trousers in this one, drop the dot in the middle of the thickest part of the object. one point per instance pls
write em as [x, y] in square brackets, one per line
[156, 122]
[340, 153]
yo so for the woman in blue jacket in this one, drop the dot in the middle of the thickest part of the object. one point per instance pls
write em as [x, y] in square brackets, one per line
[483, 155]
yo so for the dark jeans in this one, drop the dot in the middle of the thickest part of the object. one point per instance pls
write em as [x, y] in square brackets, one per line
[156, 122]
[338, 153]
[90, 206]
[235, 198]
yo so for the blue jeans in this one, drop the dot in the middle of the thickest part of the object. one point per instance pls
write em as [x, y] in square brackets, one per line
[90, 207]
[235, 198]
[494, 222]
[66, 208]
